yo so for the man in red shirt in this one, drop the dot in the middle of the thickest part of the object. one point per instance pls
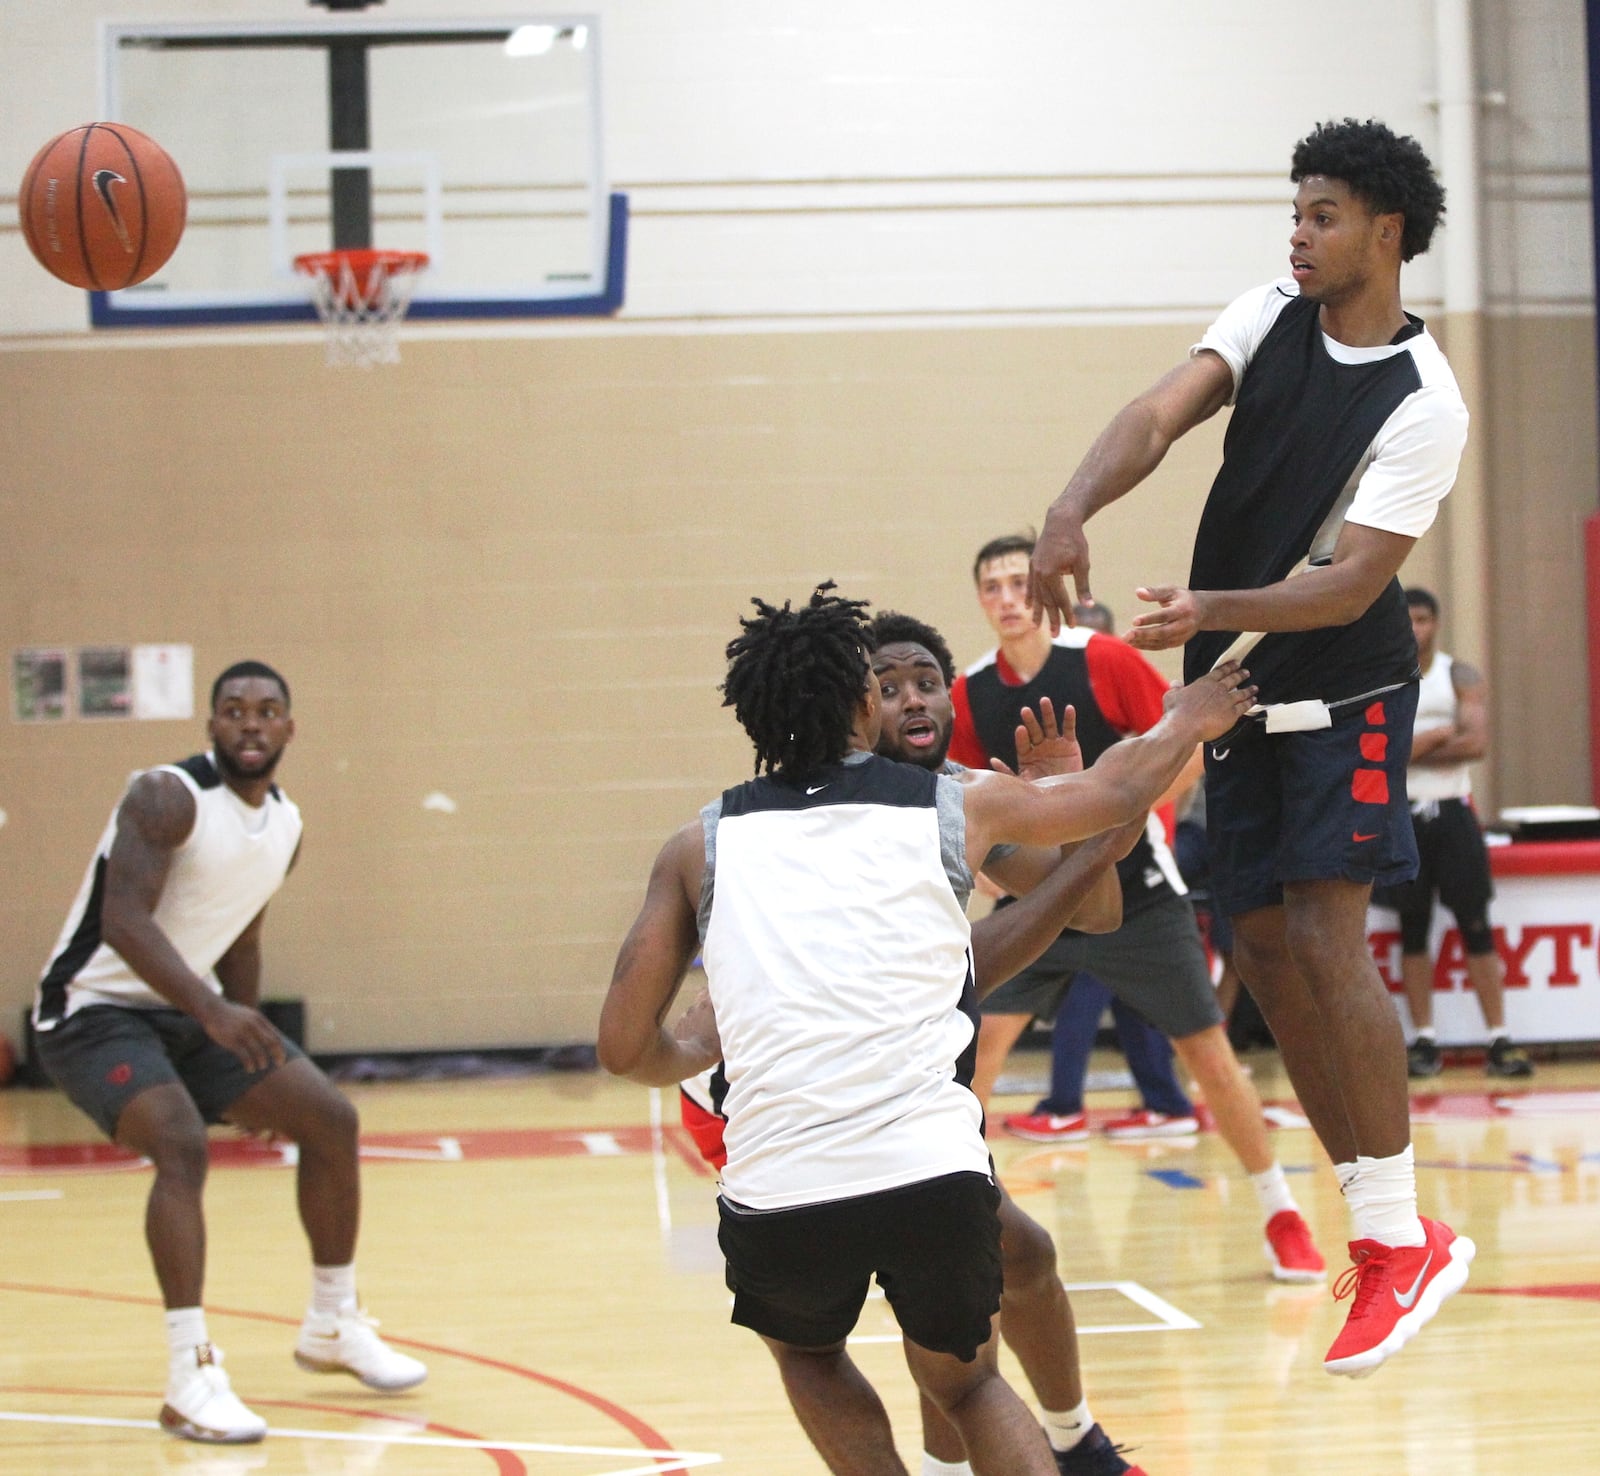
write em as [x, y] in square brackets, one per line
[1155, 962]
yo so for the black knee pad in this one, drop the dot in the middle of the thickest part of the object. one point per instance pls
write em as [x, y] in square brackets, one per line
[1477, 937]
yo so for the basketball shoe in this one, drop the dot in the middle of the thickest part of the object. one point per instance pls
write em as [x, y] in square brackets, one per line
[201, 1405]
[1290, 1248]
[1094, 1455]
[1047, 1127]
[1397, 1290]
[1506, 1059]
[1423, 1057]
[1147, 1124]
[349, 1343]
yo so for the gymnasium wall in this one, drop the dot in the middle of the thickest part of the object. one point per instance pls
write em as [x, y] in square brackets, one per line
[887, 278]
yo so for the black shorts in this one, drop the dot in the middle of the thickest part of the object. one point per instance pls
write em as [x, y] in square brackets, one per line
[104, 1056]
[1452, 862]
[1325, 805]
[1155, 963]
[801, 1276]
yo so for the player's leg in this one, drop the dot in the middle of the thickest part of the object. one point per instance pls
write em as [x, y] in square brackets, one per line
[115, 1064]
[1466, 888]
[838, 1409]
[1149, 1055]
[296, 1101]
[1000, 1436]
[1058, 1117]
[1413, 904]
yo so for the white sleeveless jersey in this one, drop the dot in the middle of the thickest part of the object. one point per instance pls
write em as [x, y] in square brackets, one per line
[839, 965]
[234, 860]
[1436, 708]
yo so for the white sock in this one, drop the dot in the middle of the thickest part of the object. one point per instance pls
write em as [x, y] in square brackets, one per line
[186, 1330]
[1426, 1032]
[1347, 1174]
[1067, 1428]
[333, 1289]
[1498, 1033]
[1384, 1206]
[932, 1467]
[1272, 1189]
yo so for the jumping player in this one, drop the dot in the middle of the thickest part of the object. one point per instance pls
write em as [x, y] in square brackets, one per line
[1346, 434]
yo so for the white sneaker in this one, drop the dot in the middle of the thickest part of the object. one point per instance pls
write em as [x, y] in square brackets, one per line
[349, 1343]
[201, 1404]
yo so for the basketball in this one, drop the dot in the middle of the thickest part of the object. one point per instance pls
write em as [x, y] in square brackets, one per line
[102, 206]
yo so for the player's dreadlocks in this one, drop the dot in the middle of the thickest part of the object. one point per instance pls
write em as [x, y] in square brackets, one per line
[795, 679]
[890, 627]
[1387, 170]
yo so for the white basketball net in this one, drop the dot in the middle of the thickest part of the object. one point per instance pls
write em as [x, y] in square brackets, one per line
[361, 301]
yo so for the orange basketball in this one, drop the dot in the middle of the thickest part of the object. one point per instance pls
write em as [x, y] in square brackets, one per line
[102, 206]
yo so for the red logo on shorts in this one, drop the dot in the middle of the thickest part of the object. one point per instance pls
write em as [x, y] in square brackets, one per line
[120, 1075]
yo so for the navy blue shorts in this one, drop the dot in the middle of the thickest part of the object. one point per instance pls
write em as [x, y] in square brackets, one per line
[104, 1056]
[802, 1275]
[1327, 805]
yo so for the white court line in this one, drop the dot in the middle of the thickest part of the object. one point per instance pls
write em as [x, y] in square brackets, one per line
[658, 1158]
[1168, 1318]
[11, 1196]
[662, 1460]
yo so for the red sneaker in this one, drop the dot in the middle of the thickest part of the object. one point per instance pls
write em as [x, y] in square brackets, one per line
[1397, 1290]
[1147, 1124]
[1292, 1251]
[1047, 1127]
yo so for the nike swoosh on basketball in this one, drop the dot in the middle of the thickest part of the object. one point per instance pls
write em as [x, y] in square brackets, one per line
[103, 180]
[1358, 837]
[815, 788]
[1409, 1297]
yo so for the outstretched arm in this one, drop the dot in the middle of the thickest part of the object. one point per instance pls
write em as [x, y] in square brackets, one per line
[1010, 938]
[634, 1040]
[1127, 780]
[1123, 455]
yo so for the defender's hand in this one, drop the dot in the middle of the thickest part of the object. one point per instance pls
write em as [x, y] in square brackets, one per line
[1045, 746]
[1215, 701]
[1060, 550]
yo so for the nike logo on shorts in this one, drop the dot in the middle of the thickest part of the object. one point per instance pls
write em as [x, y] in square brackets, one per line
[815, 788]
[1358, 838]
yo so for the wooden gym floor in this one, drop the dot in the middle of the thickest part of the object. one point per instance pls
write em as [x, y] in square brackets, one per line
[554, 1260]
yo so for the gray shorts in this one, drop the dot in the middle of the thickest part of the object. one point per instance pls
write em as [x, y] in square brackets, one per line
[1154, 962]
[104, 1056]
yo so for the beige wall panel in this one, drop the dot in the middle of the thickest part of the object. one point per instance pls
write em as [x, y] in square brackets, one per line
[1543, 468]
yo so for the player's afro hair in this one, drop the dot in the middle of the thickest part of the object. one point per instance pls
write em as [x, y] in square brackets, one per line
[795, 679]
[1385, 169]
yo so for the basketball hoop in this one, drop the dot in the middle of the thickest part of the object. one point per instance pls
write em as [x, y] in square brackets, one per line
[361, 296]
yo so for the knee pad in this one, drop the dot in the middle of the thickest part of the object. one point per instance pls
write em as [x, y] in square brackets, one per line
[1414, 933]
[1477, 937]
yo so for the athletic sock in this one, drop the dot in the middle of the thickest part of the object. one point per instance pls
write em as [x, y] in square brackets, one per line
[333, 1290]
[1066, 1428]
[1385, 1205]
[1427, 1032]
[186, 1329]
[932, 1467]
[1347, 1174]
[1272, 1189]
[1499, 1033]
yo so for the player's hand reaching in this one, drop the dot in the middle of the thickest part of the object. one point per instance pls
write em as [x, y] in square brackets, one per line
[246, 1032]
[1060, 550]
[1044, 746]
[1215, 702]
[1176, 618]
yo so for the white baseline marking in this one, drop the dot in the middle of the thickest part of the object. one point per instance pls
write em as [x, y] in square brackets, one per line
[1168, 1317]
[662, 1460]
[11, 1196]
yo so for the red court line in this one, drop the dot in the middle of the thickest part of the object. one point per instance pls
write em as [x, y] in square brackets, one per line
[507, 1462]
[646, 1435]
[1577, 1291]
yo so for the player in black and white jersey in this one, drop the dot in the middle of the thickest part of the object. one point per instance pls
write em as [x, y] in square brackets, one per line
[840, 979]
[1346, 433]
[146, 1018]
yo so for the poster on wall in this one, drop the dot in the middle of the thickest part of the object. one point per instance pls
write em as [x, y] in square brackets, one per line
[163, 682]
[39, 684]
[105, 681]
